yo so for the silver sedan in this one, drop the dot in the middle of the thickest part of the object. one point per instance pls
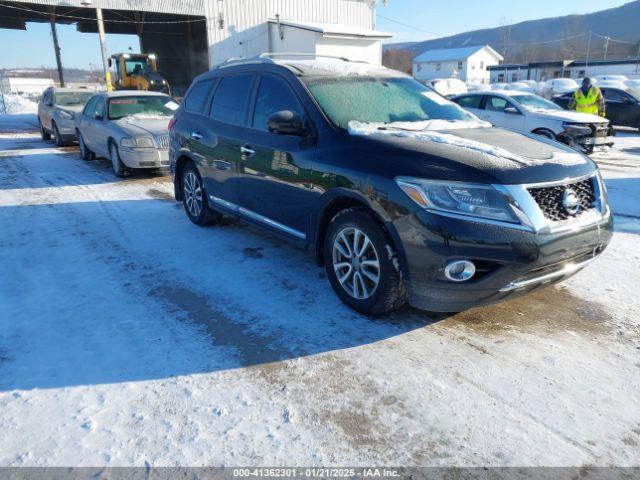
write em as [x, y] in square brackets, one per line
[130, 128]
[56, 113]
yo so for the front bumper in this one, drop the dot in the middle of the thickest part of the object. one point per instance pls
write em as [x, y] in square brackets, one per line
[593, 137]
[510, 261]
[144, 157]
[67, 129]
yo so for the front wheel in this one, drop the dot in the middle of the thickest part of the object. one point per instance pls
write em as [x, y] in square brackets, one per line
[361, 265]
[85, 153]
[118, 167]
[546, 134]
[58, 140]
[194, 198]
[46, 136]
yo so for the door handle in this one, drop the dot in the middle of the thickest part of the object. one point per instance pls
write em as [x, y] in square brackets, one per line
[247, 152]
[196, 136]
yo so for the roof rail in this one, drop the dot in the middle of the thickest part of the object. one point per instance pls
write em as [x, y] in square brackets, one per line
[306, 55]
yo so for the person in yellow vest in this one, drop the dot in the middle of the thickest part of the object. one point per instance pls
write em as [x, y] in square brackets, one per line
[588, 99]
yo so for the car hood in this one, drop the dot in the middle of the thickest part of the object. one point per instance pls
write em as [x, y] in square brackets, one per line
[137, 125]
[481, 154]
[569, 116]
[71, 108]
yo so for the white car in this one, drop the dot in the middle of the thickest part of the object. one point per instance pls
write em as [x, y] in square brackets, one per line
[609, 78]
[529, 113]
[519, 86]
[478, 87]
[449, 86]
[633, 84]
[558, 86]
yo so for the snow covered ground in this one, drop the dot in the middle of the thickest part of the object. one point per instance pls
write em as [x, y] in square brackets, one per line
[130, 336]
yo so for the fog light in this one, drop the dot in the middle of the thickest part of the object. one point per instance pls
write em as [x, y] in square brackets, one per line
[460, 271]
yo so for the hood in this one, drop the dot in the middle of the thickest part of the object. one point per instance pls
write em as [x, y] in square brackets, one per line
[477, 154]
[141, 125]
[569, 116]
[71, 108]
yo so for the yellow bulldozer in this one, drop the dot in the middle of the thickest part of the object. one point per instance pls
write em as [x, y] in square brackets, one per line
[137, 71]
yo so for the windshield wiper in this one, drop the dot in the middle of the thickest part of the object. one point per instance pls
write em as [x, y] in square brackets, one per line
[399, 129]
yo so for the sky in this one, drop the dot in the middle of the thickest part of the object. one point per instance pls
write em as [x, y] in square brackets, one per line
[411, 20]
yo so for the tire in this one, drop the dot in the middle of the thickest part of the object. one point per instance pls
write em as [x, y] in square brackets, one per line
[194, 198]
[368, 282]
[119, 168]
[546, 134]
[85, 153]
[46, 136]
[57, 138]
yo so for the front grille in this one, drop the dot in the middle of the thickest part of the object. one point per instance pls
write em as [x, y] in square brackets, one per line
[163, 141]
[549, 199]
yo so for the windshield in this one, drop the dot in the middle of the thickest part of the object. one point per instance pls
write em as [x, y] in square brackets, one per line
[70, 99]
[380, 100]
[136, 66]
[634, 92]
[143, 106]
[534, 102]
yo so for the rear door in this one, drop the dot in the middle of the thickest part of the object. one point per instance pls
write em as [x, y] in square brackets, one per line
[98, 128]
[275, 170]
[472, 103]
[502, 113]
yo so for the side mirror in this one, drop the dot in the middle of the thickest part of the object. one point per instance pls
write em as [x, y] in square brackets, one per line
[511, 110]
[286, 122]
[110, 62]
[98, 116]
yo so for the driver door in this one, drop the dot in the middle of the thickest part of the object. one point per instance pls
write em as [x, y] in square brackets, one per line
[275, 169]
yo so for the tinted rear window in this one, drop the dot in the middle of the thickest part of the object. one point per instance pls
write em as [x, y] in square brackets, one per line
[197, 96]
[231, 99]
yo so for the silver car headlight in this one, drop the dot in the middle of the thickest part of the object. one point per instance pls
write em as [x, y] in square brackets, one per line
[66, 115]
[468, 199]
[137, 142]
[576, 128]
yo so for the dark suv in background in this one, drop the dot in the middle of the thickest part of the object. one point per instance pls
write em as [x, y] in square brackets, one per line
[401, 194]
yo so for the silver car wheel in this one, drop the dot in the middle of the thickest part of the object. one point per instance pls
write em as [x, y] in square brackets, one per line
[193, 194]
[115, 159]
[356, 263]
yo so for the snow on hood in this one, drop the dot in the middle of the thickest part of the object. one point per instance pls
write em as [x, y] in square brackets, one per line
[439, 131]
[135, 124]
[570, 116]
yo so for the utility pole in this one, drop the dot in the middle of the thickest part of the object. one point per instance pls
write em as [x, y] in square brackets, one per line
[586, 67]
[606, 46]
[56, 46]
[103, 46]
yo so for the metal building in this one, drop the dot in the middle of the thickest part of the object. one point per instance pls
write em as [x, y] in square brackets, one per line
[189, 36]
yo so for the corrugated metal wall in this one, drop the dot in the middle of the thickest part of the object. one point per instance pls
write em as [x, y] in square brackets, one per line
[244, 31]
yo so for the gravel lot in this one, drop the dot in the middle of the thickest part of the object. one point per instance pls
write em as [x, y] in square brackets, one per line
[128, 336]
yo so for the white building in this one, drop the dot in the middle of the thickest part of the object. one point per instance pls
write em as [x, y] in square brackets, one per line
[576, 69]
[190, 36]
[469, 64]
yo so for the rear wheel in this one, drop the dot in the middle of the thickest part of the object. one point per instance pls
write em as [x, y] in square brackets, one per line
[361, 264]
[118, 167]
[85, 153]
[194, 198]
[46, 136]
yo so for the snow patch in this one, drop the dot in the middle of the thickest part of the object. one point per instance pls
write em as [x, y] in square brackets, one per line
[16, 104]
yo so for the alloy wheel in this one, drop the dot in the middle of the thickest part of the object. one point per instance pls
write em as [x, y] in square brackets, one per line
[356, 263]
[193, 194]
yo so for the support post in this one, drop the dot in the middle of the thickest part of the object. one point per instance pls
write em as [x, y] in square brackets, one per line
[103, 47]
[606, 47]
[56, 47]
[586, 66]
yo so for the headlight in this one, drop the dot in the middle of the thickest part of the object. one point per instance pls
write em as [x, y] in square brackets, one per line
[138, 142]
[66, 115]
[468, 199]
[576, 128]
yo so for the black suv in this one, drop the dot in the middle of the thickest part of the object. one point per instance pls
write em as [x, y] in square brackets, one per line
[401, 194]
